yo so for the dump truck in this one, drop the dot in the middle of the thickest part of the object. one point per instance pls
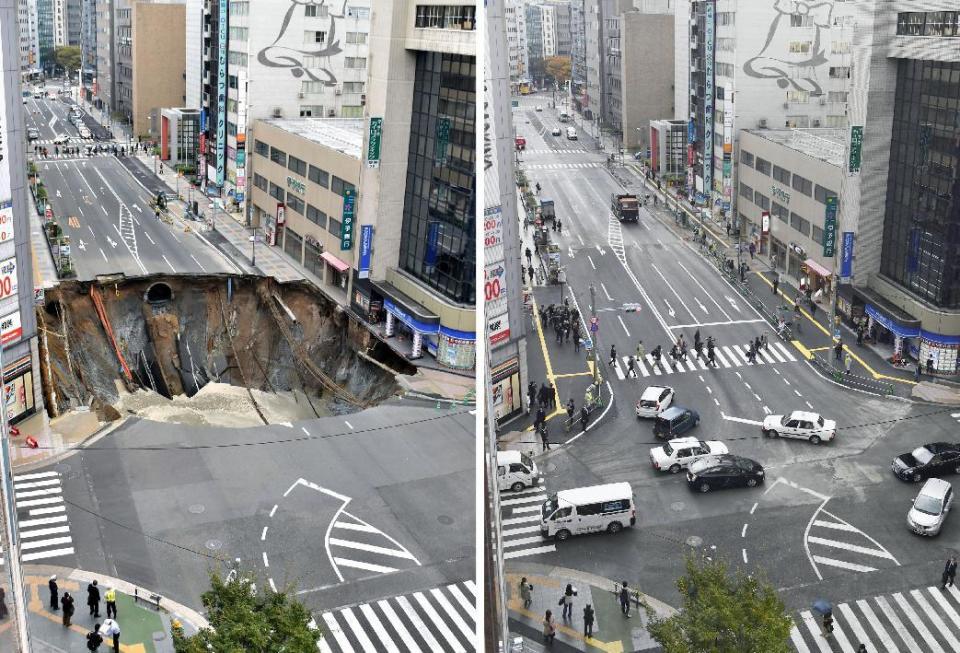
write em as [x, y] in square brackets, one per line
[625, 206]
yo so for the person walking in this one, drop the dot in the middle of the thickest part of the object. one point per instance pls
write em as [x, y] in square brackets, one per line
[94, 638]
[584, 417]
[529, 256]
[549, 630]
[862, 648]
[530, 274]
[570, 410]
[588, 621]
[640, 351]
[54, 593]
[624, 599]
[949, 572]
[828, 624]
[764, 342]
[859, 335]
[613, 355]
[631, 372]
[930, 365]
[776, 282]
[847, 362]
[531, 395]
[838, 349]
[559, 227]
[111, 599]
[93, 599]
[540, 418]
[568, 595]
[110, 628]
[753, 250]
[544, 436]
[526, 592]
[916, 376]
[4, 612]
[66, 604]
[576, 338]
[551, 396]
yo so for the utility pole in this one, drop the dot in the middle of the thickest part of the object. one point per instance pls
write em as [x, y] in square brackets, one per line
[594, 336]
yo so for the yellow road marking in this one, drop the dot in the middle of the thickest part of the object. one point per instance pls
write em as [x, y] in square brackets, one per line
[803, 350]
[567, 376]
[821, 348]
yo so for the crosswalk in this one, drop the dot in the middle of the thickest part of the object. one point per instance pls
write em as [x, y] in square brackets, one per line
[563, 166]
[568, 150]
[42, 517]
[441, 619]
[725, 355]
[74, 140]
[520, 523]
[925, 619]
[836, 544]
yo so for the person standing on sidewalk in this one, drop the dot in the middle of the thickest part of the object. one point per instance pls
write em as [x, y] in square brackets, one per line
[544, 436]
[588, 621]
[847, 361]
[110, 628]
[54, 593]
[838, 349]
[776, 282]
[549, 630]
[526, 592]
[66, 604]
[94, 638]
[93, 599]
[624, 599]
[916, 375]
[111, 598]
[529, 256]
[613, 355]
[4, 612]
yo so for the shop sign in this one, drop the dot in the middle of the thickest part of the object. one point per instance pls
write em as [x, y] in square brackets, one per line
[373, 142]
[709, 96]
[498, 329]
[780, 194]
[221, 92]
[830, 228]
[296, 185]
[6, 220]
[846, 255]
[442, 140]
[18, 395]
[346, 223]
[495, 287]
[366, 250]
[856, 147]
[10, 328]
[281, 214]
[8, 277]
[765, 222]
[39, 296]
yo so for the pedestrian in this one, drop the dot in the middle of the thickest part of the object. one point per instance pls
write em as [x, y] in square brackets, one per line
[613, 354]
[570, 408]
[743, 272]
[728, 229]
[828, 624]
[540, 418]
[862, 648]
[916, 376]
[757, 344]
[838, 349]
[551, 396]
[54, 593]
[624, 599]
[111, 598]
[549, 631]
[110, 628]
[588, 621]
[584, 416]
[531, 275]
[698, 347]
[559, 227]
[94, 638]
[631, 372]
[753, 250]
[930, 365]
[576, 341]
[93, 599]
[640, 351]
[711, 357]
[523, 275]
[543, 394]
[4, 612]
[751, 356]
[567, 601]
[567, 328]
[683, 351]
[544, 436]
[859, 335]
[847, 361]
[696, 337]
[526, 592]
[529, 256]
[532, 395]
[949, 572]
[66, 604]
[776, 282]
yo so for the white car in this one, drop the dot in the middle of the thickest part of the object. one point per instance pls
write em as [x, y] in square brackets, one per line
[801, 425]
[930, 508]
[539, 107]
[654, 401]
[556, 131]
[680, 452]
[61, 140]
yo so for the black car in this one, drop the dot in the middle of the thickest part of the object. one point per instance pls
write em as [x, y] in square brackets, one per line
[927, 461]
[726, 470]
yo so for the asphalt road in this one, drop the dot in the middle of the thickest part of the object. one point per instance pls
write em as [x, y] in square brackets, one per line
[111, 225]
[340, 509]
[829, 516]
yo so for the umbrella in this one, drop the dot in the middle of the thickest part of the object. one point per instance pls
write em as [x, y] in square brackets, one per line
[823, 606]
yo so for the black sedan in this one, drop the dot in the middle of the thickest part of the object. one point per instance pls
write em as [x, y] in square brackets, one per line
[927, 461]
[726, 470]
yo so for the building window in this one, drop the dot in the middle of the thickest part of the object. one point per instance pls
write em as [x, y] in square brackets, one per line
[355, 111]
[309, 88]
[261, 148]
[333, 226]
[910, 23]
[353, 87]
[746, 158]
[746, 191]
[312, 36]
[293, 244]
[805, 186]
[798, 97]
[837, 96]
[354, 62]
[821, 194]
[260, 182]
[318, 176]
[942, 23]
[358, 38]
[316, 11]
[801, 20]
[362, 13]
[297, 166]
[312, 110]
[763, 166]
[239, 8]
[761, 200]
[338, 186]
[817, 235]
[726, 18]
[840, 47]
[839, 72]
[236, 59]
[231, 128]
[278, 156]
[294, 203]
[800, 47]
[835, 121]
[781, 174]
[276, 192]
[238, 33]
[316, 216]
[799, 224]
[780, 211]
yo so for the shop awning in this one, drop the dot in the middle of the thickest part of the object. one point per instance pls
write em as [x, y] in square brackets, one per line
[335, 262]
[815, 267]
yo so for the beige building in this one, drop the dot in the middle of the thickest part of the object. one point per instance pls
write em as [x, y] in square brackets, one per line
[155, 76]
[302, 169]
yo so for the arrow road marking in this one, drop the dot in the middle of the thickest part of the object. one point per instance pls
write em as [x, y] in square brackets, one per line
[81, 245]
[700, 304]
[600, 249]
[138, 208]
[669, 308]
[733, 303]
[741, 420]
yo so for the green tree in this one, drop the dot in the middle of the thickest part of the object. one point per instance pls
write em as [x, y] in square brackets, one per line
[68, 58]
[723, 613]
[558, 68]
[242, 621]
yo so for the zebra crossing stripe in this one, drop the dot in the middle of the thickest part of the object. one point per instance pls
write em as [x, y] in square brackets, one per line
[397, 624]
[432, 644]
[718, 352]
[880, 553]
[945, 605]
[40, 555]
[653, 365]
[797, 640]
[365, 566]
[811, 624]
[617, 369]
[382, 550]
[358, 631]
[439, 623]
[508, 555]
[877, 626]
[935, 618]
[765, 354]
[919, 625]
[897, 624]
[28, 485]
[40, 493]
[378, 628]
[25, 477]
[851, 619]
[334, 629]
[41, 532]
[775, 352]
[453, 614]
[741, 354]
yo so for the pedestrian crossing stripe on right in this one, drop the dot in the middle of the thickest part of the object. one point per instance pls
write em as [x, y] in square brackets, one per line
[563, 166]
[726, 356]
[520, 524]
[890, 623]
[441, 619]
[42, 517]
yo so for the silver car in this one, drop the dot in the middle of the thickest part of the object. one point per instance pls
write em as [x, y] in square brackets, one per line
[930, 508]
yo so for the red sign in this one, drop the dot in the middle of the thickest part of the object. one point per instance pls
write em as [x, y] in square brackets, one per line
[48, 213]
[765, 222]
[281, 216]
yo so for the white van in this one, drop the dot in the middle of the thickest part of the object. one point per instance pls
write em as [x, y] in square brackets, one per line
[588, 510]
[516, 471]
[571, 133]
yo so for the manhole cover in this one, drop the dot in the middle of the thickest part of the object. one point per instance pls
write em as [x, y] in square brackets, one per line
[694, 541]
[214, 545]
[196, 508]
[446, 521]
[677, 506]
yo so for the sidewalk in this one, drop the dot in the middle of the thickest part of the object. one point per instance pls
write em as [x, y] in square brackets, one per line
[55, 437]
[612, 631]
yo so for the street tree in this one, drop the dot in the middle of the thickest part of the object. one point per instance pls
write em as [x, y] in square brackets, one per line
[68, 58]
[558, 68]
[724, 612]
[243, 620]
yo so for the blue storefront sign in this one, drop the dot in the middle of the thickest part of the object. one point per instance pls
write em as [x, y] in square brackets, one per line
[691, 131]
[408, 319]
[433, 239]
[366, 249]
[846, 255]
[890, 325]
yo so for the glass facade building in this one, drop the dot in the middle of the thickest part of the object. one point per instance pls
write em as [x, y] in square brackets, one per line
[438, 243]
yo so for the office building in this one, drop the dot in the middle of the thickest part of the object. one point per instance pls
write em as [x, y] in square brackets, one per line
[578, 52]
[180, 138]
[193, 32]
[643, 89]
[517, 54]
[533, 19]
[668, 150]
[45, 36]
[29, 38]
[681, 59]
[88, 44]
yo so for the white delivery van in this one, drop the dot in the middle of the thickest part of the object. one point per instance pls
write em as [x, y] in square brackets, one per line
[571, 133]
[588, 510]
[516, 471]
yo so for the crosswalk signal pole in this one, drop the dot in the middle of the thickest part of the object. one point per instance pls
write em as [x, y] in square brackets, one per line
[594, 336]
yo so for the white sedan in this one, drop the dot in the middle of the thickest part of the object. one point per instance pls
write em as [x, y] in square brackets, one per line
[680, 452]
[801, 425]
[539, 107]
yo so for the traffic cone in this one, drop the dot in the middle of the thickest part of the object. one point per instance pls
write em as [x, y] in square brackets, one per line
[32, 442]
[14, 430]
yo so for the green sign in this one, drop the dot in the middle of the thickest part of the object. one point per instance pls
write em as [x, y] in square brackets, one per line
[296, 185]
[856, 147]
[346, 221]
[830, 228]
[443, 139]
[373, 142]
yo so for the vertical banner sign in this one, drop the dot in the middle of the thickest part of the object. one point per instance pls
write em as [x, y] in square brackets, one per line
[8, 277]
[366, 250]
[221, 92]
[709, 97]
[830, 228]
[6, 214]
[5, 101]
[433, 240]
[373, 142]
[856, 147]
[727, 146]
[846, 255]
[241, 153]
[346, 222]
[443, 139]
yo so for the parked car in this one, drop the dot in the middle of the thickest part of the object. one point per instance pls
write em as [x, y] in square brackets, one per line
[62, 139]
[674, 422]
[930, 508]
[680, 452]
[927, 461]
[539, 107]
[654, 399]
[726, 470]
[801, 425]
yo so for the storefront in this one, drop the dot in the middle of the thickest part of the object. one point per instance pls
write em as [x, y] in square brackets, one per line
[456, 349]
[18, 390]
[815, 276]
[337, 271]
[507, 394]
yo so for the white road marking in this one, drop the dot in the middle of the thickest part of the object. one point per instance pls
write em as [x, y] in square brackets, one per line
[263, 535]
[624, 326]
[102, 254]
[897, 624]
[925, 633]
[835, 525]
[30, 523]
[580, 238]
[743, 533]
[349, 425]
[741, 420]
[371, 548]
[198, 262]
[149, 238]
[938, 623]
[273, 510]
[809, 405]
[814, 629]
[797, 640]
[266, 563]
[850, 547]
[365, 566]
[606, 292]
[753, 508]
[744, 556]
[797, 392]
[169, 263]
[382, 634]
[766, 410]
[878, 628]
[849, 566]
[591, 262]
[273, 587]
[673, 290]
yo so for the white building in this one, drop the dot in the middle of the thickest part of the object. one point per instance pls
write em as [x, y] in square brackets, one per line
[681, 60]
[29, 37]
[517, 56]
[194, 47]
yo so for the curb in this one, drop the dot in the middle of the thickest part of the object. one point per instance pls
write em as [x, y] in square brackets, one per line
[96, 436]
